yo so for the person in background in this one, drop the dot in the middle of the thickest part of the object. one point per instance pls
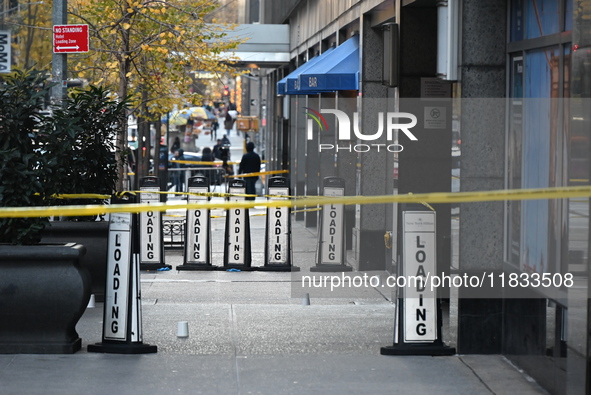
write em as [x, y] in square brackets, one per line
[250, 163]
[225, 156]
[207, 156]
[215, 125]
[226, 142]
[217, 153]
[175, 145]
[228, 123]
[178, 176]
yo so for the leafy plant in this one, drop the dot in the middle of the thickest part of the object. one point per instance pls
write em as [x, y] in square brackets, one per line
[23, 170]
[70, 151]
[82, 151]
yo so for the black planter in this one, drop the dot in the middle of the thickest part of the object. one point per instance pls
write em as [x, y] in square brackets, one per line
[92, 235]
[43, 293]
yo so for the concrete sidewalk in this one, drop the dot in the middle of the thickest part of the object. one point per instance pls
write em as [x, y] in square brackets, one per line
[250, 334]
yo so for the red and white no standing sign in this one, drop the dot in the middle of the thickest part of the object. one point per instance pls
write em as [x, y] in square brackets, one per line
[70, 38]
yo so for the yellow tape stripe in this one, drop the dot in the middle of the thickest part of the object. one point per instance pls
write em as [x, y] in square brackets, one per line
[194, 162]
[306, 210]
[79, 196]
[436, 197]
[200, 162]
[260, 173]
[212, 194]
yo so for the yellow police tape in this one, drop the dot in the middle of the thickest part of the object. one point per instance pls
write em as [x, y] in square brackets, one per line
[200, 162]
[80, 196]
[260, 173]
[306, 210]
[210, 194]
[435, 197]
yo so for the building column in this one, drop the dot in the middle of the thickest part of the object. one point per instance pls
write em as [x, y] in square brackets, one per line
[346, 161]
[326, 157]
[425, 164]
[312, 159]
[375, 174]
[298, 151]
[483, 75]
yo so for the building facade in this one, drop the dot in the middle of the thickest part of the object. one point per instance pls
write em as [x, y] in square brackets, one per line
[519, 74]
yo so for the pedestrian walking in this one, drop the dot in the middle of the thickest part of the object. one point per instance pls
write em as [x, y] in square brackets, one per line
[178, 176]
[207, 156]
[225, 155]
[228, 123]
[217, 153]
[250, 163]
[175, 145]
[215, 125]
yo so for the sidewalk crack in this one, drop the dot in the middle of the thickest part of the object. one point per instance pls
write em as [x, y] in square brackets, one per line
[477, 376]
[233, 336]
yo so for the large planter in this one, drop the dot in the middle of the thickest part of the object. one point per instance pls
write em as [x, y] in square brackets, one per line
[92, 235]
[43, 293]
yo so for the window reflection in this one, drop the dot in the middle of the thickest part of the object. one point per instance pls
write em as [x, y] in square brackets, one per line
[542, 18]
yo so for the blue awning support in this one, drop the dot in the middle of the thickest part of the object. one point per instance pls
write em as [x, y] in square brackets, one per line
[338, 71]
[289, 84]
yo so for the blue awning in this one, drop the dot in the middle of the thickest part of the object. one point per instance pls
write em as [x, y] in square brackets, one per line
[338, 71]
[289, 84]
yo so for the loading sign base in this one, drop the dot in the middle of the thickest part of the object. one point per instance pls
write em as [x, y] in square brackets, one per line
[419, 349]
[277, 268]
[125, 348]
[197, 267]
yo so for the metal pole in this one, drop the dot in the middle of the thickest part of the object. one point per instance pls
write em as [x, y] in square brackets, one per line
[59, 68]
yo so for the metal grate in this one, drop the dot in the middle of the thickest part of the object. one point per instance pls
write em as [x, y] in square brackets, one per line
[173, 231]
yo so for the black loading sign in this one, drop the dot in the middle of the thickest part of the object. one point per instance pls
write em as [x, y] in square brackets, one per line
[122, 315]
[198, 228]
[118, 277]
[331, 242]
[417, 327]
[420, 300]
[237, 251]
[278, 247]
[151, 237]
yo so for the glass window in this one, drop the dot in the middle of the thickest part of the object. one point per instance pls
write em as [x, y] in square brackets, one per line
[538, 129]
[517, 20]
[514, 159]
[538, 18]
[542, 18]
[568, 16]
[538, 142]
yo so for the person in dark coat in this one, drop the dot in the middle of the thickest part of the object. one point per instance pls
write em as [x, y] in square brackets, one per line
[217, 150]
[250, 163]
[178, 176]
[215, 125]
[228, 123]
[207, 156]
[176, 145]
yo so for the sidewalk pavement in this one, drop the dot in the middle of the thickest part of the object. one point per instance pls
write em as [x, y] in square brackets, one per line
[249, 333]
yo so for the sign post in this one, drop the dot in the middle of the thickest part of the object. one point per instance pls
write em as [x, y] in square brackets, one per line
[122, 316]
[197, 229]
[331, 253]
[417, 329]
[151, 237]
[237, 253]
[278, 241]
